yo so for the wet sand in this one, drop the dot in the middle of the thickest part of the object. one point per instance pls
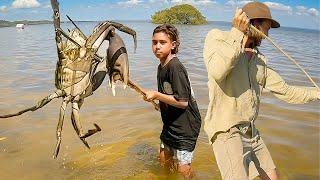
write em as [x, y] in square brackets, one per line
[127, 147]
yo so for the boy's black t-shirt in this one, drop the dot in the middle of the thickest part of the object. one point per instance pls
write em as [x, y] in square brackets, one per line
[180, 126]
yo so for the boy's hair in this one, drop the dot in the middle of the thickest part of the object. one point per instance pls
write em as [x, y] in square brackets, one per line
[172, 32]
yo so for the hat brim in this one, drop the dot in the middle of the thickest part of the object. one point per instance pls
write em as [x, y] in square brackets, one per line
[274, 23]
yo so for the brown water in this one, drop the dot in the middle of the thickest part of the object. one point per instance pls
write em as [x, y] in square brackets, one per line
[127, 147]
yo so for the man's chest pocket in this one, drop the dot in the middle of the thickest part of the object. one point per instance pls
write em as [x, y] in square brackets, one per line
[261, 75]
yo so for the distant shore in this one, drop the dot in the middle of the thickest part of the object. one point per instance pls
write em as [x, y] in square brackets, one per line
[4, 23]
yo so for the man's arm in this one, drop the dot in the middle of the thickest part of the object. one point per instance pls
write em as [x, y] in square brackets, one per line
[168, 99]
[221, 53]
[290, 94]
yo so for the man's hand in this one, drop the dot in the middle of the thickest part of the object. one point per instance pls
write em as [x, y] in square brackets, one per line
[240, 21]
[151, 95]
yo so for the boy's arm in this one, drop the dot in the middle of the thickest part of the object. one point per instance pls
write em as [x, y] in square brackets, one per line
[168, 99]
[290, 94]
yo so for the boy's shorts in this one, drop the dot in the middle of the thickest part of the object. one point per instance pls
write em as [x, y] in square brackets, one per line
[182, 157]
[240, 155]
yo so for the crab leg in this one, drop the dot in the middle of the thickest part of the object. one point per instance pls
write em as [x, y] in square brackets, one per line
[67, 36]
[40, 104]
[91, 131]
[75, 118]
[98, 35]
[102, 30]
[127, 30]
[76, 105]
[58, 30]
[77, 27]
[63, 107]
[99, 40]
[56, 23]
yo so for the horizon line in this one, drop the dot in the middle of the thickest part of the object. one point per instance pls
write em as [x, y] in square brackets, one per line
[148, 20]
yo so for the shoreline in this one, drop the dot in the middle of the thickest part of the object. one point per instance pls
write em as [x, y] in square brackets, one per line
[4, 23]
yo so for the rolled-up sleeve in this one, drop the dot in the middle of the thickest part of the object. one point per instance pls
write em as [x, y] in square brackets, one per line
[221, 52]
[287, 93]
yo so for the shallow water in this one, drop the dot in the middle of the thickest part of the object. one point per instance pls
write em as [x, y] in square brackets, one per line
[127, 147]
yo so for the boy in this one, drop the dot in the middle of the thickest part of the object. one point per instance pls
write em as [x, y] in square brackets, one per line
[179, 111]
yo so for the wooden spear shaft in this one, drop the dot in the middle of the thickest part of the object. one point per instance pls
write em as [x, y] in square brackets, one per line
[140, 91]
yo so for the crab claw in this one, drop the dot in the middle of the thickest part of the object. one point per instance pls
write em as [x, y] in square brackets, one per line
[113, 87]
[122, 66]
[117, 59]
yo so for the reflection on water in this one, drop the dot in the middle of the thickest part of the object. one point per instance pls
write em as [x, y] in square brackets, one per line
[127, 147]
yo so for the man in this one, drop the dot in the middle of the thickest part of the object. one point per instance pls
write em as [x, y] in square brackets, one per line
[237, 74]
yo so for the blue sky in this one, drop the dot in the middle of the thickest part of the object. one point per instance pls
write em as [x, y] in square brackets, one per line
[290, 13]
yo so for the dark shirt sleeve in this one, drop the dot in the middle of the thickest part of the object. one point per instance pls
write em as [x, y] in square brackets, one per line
[180, 83]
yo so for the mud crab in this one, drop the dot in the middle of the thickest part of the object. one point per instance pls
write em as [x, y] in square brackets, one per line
[80, 71]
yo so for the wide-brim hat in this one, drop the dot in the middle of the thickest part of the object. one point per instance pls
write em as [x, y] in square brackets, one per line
[258, 10]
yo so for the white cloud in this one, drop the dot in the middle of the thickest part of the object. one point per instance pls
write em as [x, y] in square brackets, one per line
[278, 6]
[130, 2]
[271, 5]
[237, 3]
[46, 6]
[159, 1]
[3, 9]
[25, 4]
[205, 2]
[301, 10]
[194, 2]
[167, 2]
[313, 12]
[181, 1]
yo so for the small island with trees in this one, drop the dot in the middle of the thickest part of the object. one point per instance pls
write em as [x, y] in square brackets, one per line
[179, 14]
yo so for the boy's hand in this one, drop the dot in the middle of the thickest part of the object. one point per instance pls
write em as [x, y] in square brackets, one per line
[240, 21]
[151, 95]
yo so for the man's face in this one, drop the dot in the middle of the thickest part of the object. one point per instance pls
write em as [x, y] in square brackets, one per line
[264, 27]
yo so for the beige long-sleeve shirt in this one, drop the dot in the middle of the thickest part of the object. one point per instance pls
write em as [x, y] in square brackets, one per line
[235, 83]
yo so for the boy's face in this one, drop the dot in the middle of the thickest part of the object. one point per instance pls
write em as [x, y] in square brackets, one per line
[162, 45]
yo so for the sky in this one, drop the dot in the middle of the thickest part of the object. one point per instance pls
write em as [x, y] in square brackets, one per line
[290, 13]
